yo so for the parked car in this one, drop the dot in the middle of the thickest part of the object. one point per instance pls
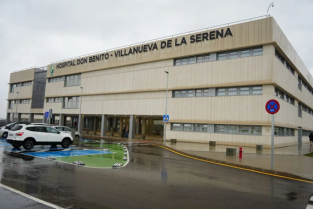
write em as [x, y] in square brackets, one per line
[68, 130]
[31, 135]
[4, 130]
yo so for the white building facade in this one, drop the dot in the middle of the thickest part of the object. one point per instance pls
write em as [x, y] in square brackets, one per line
[219, 81]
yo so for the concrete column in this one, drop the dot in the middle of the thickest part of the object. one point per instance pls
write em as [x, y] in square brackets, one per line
[114, 123]
[81, 124]
[121, 125]
[94, 123]
[53, 119]
[19, 117]
[103, 125]
[31, 117]
[61, 120]
[143, 126]
[137, 125]
[131, 127]
[8, 118]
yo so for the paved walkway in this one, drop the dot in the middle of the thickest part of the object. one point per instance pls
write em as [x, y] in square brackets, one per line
[287, 159]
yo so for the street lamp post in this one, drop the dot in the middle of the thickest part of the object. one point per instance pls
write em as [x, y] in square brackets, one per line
[272, 4]
[16, 106]
[80, 109]
[164, 135]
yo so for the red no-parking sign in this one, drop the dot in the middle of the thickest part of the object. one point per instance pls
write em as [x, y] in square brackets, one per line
[272, 106]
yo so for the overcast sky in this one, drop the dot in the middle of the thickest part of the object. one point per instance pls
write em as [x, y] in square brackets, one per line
[36, 32]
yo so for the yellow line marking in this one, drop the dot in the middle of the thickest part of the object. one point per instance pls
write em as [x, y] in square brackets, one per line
[231, 166]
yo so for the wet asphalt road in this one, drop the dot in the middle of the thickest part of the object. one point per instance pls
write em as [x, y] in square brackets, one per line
[154, 178]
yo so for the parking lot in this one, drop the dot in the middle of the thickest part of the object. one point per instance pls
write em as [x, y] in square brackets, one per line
[101, 155]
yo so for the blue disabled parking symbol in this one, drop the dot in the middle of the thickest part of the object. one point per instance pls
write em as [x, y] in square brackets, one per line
[166, 118]
[46, 114]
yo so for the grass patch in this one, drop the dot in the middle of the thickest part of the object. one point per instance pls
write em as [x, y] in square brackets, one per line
[99, 160]
[309, 154]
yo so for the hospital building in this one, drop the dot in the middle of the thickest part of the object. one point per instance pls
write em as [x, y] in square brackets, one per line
[218, 80]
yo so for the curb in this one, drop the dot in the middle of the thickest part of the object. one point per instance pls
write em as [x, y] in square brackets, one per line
[239, 166]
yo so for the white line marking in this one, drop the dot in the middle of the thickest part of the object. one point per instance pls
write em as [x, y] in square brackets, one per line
[311, 199]
[309, 207]
[31, 197]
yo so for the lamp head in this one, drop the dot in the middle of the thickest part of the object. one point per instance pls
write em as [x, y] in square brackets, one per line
[166, 72]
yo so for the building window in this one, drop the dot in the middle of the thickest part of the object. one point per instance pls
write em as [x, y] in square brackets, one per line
[232, 91]
[187, 127]
[284, 62]
[11, 102]
[281, 131]
[244, 130]
[73, 80]
[244, 91]
[257, 90]
[284, 96]
[176, 127]
[56, 79]
[221, 92]
[192, 60]
[71, 102]
[219, 128]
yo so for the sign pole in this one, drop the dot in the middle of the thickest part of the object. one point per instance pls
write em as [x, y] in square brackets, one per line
[272, 107]
[272, 143]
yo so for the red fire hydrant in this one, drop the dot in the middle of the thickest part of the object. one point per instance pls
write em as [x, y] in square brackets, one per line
[240, 152]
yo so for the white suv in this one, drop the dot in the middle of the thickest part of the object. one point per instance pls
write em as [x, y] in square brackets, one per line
[30, 135]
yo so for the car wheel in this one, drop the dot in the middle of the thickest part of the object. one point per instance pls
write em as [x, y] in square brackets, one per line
[28, 144]
[66, 143]
[5, 135]
[16, 146]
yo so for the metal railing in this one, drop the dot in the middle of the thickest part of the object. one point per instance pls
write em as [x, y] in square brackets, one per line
[41, 68]
[165, 37]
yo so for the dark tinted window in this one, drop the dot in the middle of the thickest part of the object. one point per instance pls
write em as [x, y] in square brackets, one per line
[16, 128]
[31, 128]
[41, 129]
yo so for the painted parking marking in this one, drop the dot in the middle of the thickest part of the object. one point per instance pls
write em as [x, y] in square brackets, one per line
[309, 207]
[30, 197]
[69, 153]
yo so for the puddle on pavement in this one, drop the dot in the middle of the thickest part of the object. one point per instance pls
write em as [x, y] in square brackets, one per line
[105, 155]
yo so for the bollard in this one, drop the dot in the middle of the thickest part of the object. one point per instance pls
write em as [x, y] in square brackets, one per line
[240, 152]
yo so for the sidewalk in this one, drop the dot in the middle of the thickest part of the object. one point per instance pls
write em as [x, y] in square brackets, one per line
[287, 159]
[290, 160]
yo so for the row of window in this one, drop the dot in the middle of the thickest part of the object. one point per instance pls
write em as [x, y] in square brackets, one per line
[70, 80]
[284, 96]
[301, 82]
[231, 129]
[56, 79]
[281, 131]
[18, 101]
[191, 93]
[71, 102]
[192, 60]
[285, 63]
[233, 91]
[305, 109]
[306, 133]
[220, 56]
[240, 53]
[54, 99]
[235, 129]
[13, 86]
